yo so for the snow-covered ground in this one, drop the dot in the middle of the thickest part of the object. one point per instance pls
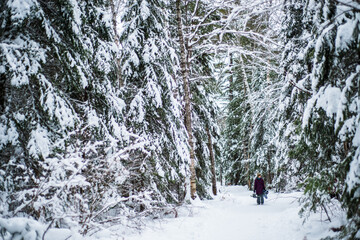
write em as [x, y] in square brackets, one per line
[233, 214]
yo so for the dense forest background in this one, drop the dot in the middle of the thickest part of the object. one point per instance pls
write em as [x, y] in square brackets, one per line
[114, 110]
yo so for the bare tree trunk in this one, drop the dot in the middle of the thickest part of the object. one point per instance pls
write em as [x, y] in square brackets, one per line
[114, 4]
[221, 176]
[248, 167]
[231, 79]
[212, 160]
[269, 179]
[185, 75]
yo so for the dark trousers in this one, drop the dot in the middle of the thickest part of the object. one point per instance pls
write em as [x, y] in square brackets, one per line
[260, 199]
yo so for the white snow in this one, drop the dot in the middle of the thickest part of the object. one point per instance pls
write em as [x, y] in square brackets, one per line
[329, 100]
[356, 140]
[155, 94]
[160, 170]
[76, 16]
[144, 10]
[93, 119]
[136, 107]
[358, 234]
[235, 215]
[8, 134]
[19, 116]
[352, 179]
[20, 228]
[56, 106]
[39, 142]
[346, 29]
[20, 8]
[133, 39]
[134, 58]
[78, 180]
[21, 63]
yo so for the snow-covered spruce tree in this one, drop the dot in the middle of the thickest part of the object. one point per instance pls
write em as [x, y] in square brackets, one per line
[326, 94]
[332, 116]
[152, 109]
[61, 120]
[295, 33]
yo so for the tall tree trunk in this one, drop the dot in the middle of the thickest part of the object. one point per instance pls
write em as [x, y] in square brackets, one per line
[231, 79]
[212, 160]
[114, 5]
[185, 75]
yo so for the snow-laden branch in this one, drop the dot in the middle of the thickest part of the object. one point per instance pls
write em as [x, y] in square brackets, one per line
[259, 58]
[354, 5]
[194, 33]
[257, 37]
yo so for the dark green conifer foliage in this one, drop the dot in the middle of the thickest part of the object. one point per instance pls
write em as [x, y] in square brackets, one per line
[153, 110]
[290, 114]
[325, 96]
[59, 101]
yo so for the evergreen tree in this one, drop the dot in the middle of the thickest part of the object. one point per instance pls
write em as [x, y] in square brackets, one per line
[322, 104]
[70, 146]
[290, 171]
[153, 111]
[59, 108]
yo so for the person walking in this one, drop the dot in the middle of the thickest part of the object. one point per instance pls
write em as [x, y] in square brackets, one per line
[259, 189]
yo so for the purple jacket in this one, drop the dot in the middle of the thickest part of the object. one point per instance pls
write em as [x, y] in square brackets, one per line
[259, 186]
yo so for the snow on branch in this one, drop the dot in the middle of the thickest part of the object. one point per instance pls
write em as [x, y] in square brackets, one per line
[21, 228]
[355, 6]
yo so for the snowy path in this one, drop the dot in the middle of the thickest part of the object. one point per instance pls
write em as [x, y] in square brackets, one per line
[235, 215]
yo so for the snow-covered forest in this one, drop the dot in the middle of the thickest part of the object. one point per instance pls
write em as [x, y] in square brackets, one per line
[116, 112]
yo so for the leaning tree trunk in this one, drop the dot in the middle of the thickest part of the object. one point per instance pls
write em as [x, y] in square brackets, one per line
[185, 77]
